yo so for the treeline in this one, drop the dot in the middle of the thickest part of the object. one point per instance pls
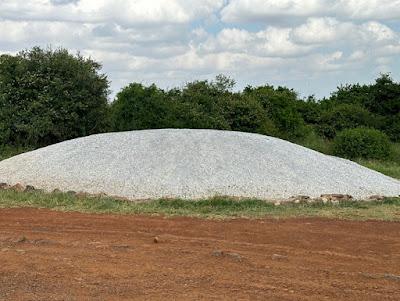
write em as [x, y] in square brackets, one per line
[50, 96]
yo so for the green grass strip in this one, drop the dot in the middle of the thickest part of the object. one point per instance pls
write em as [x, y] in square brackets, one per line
[217, 208]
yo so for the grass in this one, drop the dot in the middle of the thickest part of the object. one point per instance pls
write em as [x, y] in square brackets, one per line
[391, 169]
[8, 151]
[219, 207]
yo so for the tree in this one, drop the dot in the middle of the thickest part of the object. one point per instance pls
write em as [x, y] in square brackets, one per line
[281, 105]
[138, 107]
[385, 98]
[344, 116]
[49, 96]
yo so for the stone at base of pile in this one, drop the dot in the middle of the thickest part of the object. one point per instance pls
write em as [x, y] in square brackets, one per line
[300, 199]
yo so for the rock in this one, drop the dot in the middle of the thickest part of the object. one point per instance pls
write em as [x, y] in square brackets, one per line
[29, 188]
[279, 257]
[156, 240]
[82, 195]
[376, 198]
[56, 191]
[392, 277]
[21, 239]
[44, 242]
[120, 247]
[18, 187]
[218, 253]
[235, 256]
[98, 195]
[299, 199]
[71, 192]
[336, 197]
[277, 204]
[4, 186]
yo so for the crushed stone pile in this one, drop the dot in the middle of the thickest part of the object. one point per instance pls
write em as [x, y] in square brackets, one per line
[192, 164]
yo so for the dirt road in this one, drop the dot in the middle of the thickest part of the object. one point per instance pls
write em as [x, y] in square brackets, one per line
[47, 255]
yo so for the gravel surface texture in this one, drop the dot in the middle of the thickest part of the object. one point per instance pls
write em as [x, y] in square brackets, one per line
[192, 164]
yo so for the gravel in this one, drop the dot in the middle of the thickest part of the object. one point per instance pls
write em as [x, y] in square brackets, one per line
[192, 164]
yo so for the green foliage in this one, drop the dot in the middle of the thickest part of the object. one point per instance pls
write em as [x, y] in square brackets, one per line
[344, 116]
[200, 104]
[362, 143]
[7, 151]
[385, 97]
[389, 168]
[318, 143]
[391, 126]
[381, 100]
[49, 96]
[351, 94]
[281, 106]
[137, 107]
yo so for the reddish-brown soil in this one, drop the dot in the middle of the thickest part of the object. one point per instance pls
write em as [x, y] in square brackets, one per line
[47, 255]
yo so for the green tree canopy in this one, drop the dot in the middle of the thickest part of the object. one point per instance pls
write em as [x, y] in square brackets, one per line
[49, 96]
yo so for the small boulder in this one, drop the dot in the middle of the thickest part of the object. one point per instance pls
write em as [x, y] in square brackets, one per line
[376, 198]
[29, 188]
[279, 257]
[336, 197]
[18, 187]
[299, 199]
[4, 186]
[82, 195]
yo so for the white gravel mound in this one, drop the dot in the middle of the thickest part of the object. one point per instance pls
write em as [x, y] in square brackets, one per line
[192, 164]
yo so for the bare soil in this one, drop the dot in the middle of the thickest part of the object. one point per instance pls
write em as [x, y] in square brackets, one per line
[48, 255]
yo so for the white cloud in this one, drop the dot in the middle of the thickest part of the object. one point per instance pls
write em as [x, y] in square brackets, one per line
[172, 41]
[329, 30]
[259, 10]
[321, 30]
[125, 12]
[267, 10]
[369, 9]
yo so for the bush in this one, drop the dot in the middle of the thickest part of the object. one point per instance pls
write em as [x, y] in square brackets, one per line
[281, 106]
[362, 143]
[138, 107]
[50, 96]
[344, 116]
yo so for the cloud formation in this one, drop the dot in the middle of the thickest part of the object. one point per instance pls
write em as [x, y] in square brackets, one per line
[311, 45]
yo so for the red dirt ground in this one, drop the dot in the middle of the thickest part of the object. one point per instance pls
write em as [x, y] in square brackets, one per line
[47, 255]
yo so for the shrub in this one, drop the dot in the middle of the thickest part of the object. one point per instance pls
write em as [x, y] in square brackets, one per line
[281, 106]
[138, 107]
[362, 142]
[50, 96]
[344, 116]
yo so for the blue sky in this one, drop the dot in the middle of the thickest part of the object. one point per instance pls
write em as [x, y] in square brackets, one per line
[309, 45]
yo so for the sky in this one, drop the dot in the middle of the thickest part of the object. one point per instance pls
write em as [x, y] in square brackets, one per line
[312, 46]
